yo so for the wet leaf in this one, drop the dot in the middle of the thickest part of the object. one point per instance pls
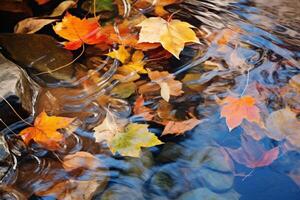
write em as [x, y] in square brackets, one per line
[136, 64]
[62, 7]
[44, 131]
[110, 126]
[172, 35]
[124, 90]
[81, 159]
[252, 154]
[32, 25]
[283, 124]
[72, 190]
[98, 5]
[236, 109]
[178, 128]
[169, 86]
[79, 31]
[121, 54]
[140, 109]
[134, 137]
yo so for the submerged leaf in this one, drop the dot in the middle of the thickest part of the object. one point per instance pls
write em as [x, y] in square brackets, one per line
[141, 110]
[172, 35]
[168, 85]
[237, 109]
[283, 124]
[252, 154]
[81, 159]
[178, 128]
[44, 131]
[134, 137]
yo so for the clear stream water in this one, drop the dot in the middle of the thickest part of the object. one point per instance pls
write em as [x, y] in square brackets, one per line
[265, 41]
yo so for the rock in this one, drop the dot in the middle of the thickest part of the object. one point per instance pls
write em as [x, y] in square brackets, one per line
[9, 76]
[205, 194]
[38, 54]
[6, 160]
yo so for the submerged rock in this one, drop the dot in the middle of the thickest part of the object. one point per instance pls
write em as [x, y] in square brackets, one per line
[38, 55]
[6, 160]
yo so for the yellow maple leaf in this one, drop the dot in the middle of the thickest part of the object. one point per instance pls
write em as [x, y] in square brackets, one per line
[121, 54]
[136, 63]
[171, 34]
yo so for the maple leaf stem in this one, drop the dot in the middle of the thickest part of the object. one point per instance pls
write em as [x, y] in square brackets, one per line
[23, 120]
[171, 16]
[247, 83]
[63, 66]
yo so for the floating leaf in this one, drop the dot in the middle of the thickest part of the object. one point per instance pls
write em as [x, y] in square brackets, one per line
[32, 25]
[236, 109]
[136, 64]
[45, 131]
[158, 5]
[168, 85]
[121, 54]
[134, 137]
[178, 128]
[252, 154]
[82, 160]
[98, 5]
[79, 31]
[42, 2]
[62, 7]
[171, 34]
[283, 124]
[110, 126]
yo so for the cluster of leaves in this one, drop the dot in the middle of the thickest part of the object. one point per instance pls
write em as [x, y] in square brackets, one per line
[135, 40]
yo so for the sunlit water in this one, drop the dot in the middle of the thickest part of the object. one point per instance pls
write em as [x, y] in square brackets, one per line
[263, 49]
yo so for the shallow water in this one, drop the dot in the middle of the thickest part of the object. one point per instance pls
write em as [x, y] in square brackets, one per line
[261, 54]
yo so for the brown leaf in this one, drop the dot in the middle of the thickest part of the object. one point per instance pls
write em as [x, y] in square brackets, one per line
[32, 25]
[141, 110]
[178, 128]
[81, 159]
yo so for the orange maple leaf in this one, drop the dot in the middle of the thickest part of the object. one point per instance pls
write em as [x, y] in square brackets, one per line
[79, 31]
[44, 131]
[237, 109]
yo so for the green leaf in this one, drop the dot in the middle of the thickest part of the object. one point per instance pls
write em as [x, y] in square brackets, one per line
[134, 137]
[101, 5]
[104, 5]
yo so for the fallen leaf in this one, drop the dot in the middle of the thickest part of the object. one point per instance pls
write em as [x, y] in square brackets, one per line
[44, 131]
[252, 154]
[136, 64]
[62, 7]
[236, 109]
[32, 25]
[79, 31]
[140, 109]
[178, 128]
[81, 159]
[135, 136]
[124, 90]
[158, 5]
[110, 126]
[72, 190]
[171, 34]
[284, 124]
[121, 54]
[168, 85]
[98, 5]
